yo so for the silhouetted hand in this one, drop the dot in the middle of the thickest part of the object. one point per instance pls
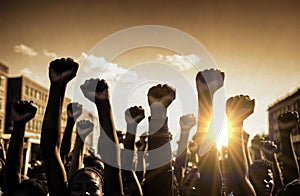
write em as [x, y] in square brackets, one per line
[23, 111]
[287, 121]
[134, 115]
[84, 128]
[74, 110]
[61, 71]
[256, 142]
[268, 147]
[187, 122]
[141, 145]
[95, 90]
[163, 94]
[238, 108]
[210, 80]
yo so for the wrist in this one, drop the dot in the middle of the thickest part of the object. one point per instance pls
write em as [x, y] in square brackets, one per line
[235, 124]
[70, 121]
[131, 128]
[158, 111]
[185, 131]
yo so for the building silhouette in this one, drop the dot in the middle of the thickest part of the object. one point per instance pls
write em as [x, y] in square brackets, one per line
[23, 88]
[290, 102]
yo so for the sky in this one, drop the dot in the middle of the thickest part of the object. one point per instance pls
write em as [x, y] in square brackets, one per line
[256, 43]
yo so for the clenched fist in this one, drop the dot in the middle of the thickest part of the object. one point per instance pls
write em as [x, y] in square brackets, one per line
[95, 90]
[163, 94]
[61, 71]
[209, 79]
[287, 121]
[187, 122]
[134, 115]
[23, 111]
[238, 108]
[74, 110]
[84, 128]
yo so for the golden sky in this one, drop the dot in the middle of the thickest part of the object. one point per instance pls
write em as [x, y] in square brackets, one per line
[256, 42]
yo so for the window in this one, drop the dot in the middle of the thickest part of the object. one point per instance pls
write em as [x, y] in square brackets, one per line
[1, 123]
[33, 124]
[26, 90]
[1, 104]
[2, 81]
[38, 95]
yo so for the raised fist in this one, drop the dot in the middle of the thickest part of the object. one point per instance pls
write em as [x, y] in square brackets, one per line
[187, 121]
[287, 121]
[84, 128]
[23, 111]
[95, 90]
[238, 108]
[141, 145]
[209, 79]
[74, 110]
[163, 94]
[268, 147]
[134, 115]
[62, 70]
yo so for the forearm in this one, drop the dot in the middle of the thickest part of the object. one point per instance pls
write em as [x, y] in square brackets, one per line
[67, 138]
[109, 149]
[181, 156]
[238, 161]
[278, 175]
[77, 156]
[127, 161]
[159, 147]
[14, 161]
[141, 165]
[129, 143]
[50, 142]
[205, 101]
[51, 128]
[160, 169]
[290, 165]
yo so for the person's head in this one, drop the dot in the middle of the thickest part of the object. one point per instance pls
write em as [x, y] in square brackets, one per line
[93, 161]
[261, 175]
[86, 181]
[32, 187]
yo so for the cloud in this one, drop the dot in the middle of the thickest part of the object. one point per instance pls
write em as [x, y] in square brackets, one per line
[21, 48]
[27, 72]
[50, 54]
[110, 71]
[184, 63]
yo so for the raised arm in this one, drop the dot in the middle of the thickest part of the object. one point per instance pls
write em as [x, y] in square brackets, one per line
[286, 123]
[142, 148]
[22, 112]
[83, 129]
[74, 110]
[97, 91]
[269, 149]
[61, 71]
[208, 82]
[160, 172]
[186, 123]
[133, 116]
[245, 142]
[238, 108]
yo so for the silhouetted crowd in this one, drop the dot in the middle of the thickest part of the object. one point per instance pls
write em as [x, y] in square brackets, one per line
[126, 165]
